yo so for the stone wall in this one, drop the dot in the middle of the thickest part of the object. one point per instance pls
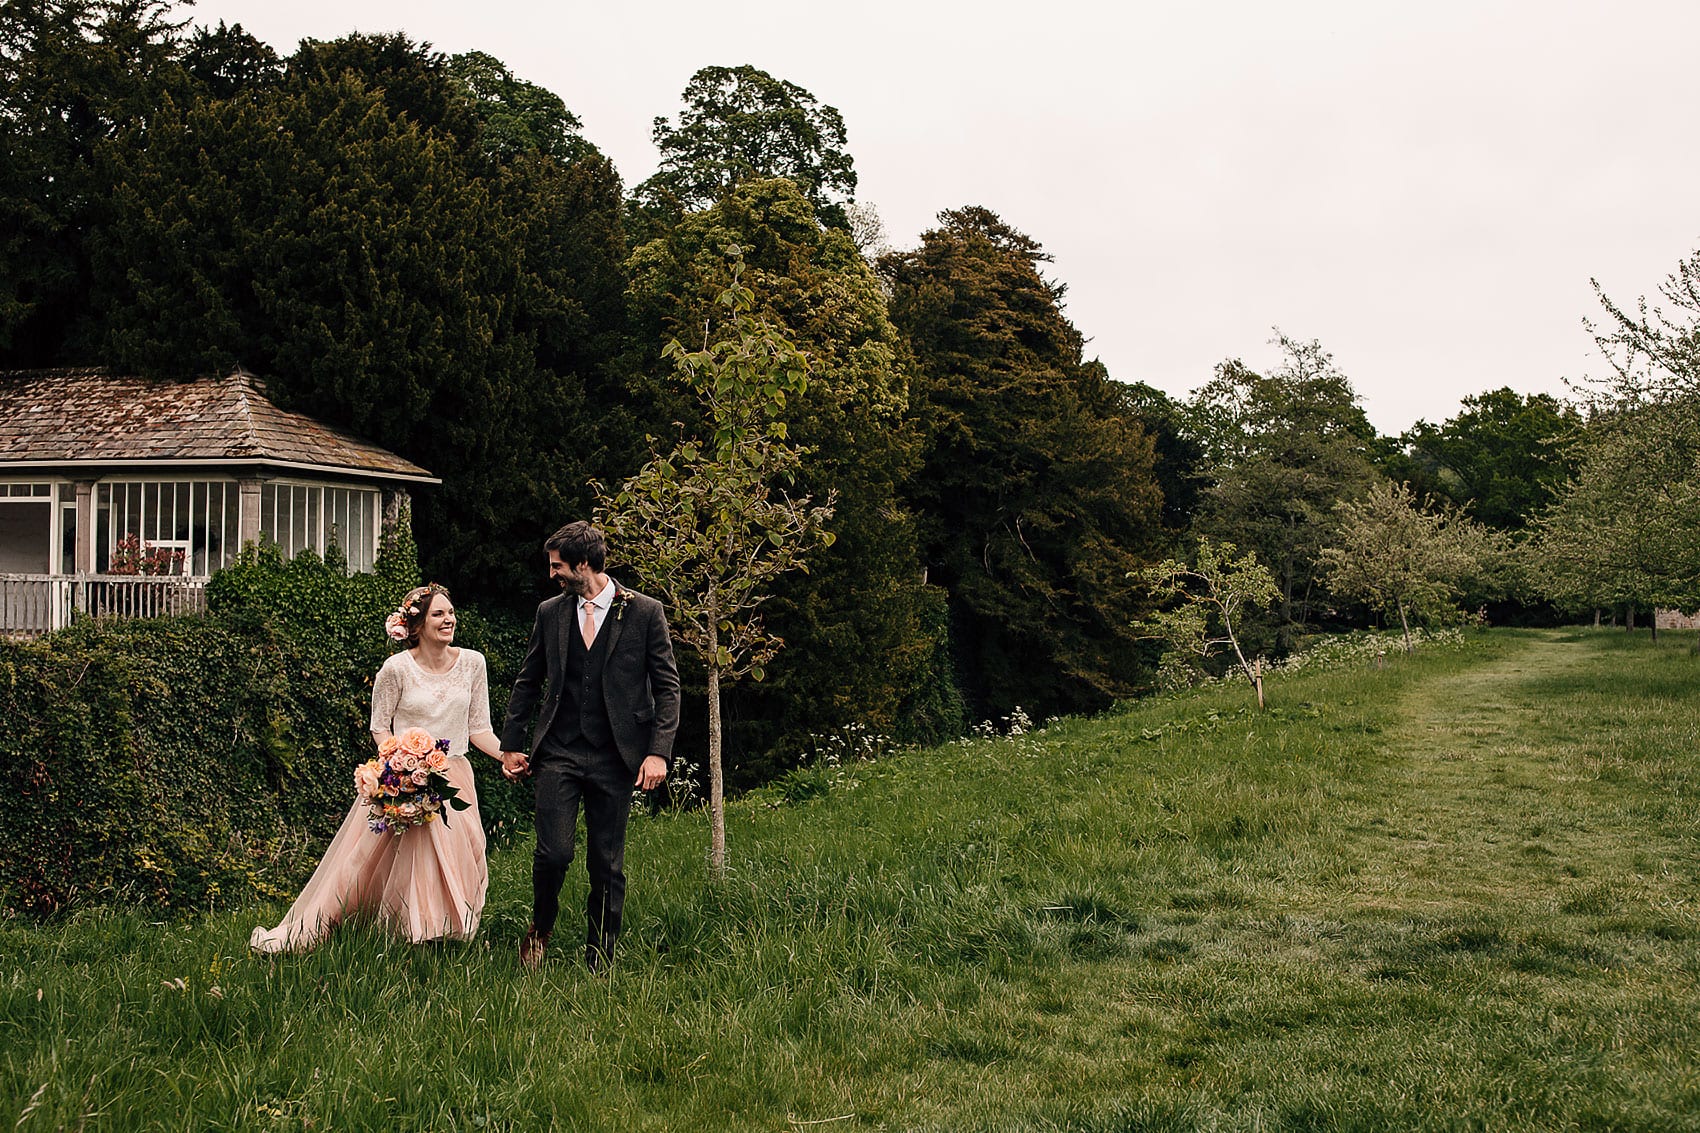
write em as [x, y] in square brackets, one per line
[1676, 619]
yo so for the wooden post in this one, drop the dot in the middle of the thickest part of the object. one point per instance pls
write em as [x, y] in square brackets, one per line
[1257, 679]
[248, 513]
[83, 555]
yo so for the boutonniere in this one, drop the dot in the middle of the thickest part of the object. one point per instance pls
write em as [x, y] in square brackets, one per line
[620, 596]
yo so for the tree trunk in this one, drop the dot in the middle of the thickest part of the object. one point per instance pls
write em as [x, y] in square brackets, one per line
[1253, 670]
[1596, 617]
[716, 781]
[1629, 618]
[716, 776]
[1405, 625]
[1653, 621]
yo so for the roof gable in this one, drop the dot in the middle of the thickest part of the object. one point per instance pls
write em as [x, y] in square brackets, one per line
[95, 417]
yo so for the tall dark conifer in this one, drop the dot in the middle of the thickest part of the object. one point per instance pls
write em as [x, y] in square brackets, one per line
[385, 271]
[73, 75]
[1035, 494]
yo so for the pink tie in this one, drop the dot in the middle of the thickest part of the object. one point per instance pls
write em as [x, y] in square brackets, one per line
[589, 624]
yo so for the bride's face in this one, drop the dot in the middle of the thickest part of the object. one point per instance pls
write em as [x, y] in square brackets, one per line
[439, 624]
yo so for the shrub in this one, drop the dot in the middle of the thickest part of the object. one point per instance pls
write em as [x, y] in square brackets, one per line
[199, 761]
[169, 762]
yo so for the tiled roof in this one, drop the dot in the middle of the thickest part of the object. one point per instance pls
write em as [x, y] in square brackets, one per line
[92, 416]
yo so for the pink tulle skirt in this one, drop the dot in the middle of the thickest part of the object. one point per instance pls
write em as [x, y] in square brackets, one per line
[425, 884]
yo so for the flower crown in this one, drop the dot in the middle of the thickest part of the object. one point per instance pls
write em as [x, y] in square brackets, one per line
[396, 625]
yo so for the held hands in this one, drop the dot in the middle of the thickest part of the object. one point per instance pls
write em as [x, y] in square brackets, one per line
[515, 765]
[652, 774]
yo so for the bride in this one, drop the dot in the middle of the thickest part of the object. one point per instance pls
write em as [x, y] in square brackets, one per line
[428, 882]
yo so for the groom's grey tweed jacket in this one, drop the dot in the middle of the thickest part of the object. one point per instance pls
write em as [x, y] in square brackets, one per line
[640, 682]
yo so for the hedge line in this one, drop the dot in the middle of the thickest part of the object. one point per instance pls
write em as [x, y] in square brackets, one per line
[204, 761]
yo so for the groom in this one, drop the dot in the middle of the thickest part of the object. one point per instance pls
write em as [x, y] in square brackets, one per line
[605, 725]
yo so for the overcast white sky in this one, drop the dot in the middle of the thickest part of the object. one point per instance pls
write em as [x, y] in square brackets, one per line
[1426, 188]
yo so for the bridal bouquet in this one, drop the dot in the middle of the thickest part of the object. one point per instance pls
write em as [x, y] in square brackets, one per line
[405, 786]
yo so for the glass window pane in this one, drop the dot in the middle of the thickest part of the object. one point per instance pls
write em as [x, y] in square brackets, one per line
[299, 536]
[180, 514]
[67, 539]
[230, 534]
[363, 526]
[129, 517]
[314, 515]
[268, 512]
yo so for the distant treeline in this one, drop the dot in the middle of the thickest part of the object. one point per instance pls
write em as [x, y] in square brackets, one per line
[425, 249]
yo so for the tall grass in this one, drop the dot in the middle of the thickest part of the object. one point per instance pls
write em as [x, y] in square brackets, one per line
[1457, 892]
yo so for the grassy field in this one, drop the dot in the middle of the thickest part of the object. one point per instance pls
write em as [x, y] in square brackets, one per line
[1460, 892]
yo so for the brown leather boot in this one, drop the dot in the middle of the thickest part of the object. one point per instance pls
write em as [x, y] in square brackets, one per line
[531, 948]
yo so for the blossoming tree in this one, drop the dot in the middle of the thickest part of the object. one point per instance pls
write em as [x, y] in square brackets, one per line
[1203, 602]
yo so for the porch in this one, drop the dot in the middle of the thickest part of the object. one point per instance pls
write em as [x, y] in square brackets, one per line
[120, 496]
[34, 604]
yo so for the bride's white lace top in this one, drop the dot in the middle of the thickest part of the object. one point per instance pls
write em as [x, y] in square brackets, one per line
[454, 704]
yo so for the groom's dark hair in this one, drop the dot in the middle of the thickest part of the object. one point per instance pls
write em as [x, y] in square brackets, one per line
[579, 542]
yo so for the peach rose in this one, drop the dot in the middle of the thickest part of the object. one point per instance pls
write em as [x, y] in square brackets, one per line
[436, 761]
[366, 779]
[388, 747]
[417, 741]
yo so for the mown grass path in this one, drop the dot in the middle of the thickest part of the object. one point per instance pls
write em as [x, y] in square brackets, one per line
[1458, 892]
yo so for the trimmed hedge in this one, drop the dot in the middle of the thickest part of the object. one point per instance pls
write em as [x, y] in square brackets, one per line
[204, 761]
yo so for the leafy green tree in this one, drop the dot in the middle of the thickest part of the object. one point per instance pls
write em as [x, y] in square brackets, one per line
[1503, 457]
[1035, 493]
[865, 641]
[1179, 458]
[1626, 528]
[741, 124]
[1654, 349]
[515, 116]
[711, 524]
[1202, 606]
[1404, 559]
[1281, 450]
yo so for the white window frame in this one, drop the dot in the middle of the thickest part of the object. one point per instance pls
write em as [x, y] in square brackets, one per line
[112, 496]
[37, 492]
[279, 522]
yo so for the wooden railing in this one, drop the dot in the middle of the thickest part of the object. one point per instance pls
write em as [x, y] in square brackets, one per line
[33, 604]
